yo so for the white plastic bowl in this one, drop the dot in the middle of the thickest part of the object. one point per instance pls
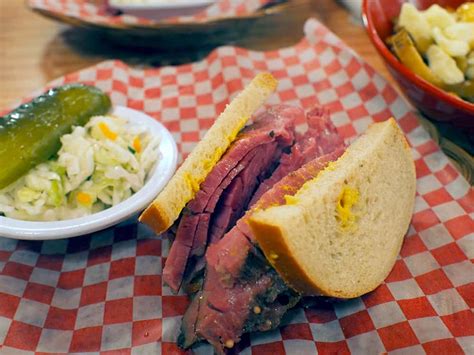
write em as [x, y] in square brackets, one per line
[160, 9]
[162, 172]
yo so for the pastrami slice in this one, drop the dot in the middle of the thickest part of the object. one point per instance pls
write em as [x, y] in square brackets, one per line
[275, 125]
[232, 205]
[241, 291]
[321, 138]
[240, 284]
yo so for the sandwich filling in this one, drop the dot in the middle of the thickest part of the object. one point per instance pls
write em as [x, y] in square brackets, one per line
[225, 193]
[241, 292]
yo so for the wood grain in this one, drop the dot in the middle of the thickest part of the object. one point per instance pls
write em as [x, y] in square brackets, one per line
[35, 50]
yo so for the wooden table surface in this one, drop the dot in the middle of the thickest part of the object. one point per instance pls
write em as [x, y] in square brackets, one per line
[35, 50]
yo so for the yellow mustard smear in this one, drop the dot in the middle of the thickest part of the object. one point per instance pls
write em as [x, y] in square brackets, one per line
[241, 125]
[346, 200]
[208, 164]
[330, 167]
[191, 182]
[291, 200]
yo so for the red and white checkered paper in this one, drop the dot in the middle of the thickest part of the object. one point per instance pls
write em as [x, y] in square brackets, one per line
[95, 11]
[103, 293]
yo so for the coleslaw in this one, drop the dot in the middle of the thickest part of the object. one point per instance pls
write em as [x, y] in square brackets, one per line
[98, 166]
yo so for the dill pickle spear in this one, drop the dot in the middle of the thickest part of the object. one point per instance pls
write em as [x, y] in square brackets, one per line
[30, 134]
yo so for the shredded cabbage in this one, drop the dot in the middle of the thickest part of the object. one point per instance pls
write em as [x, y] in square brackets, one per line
[98, 166]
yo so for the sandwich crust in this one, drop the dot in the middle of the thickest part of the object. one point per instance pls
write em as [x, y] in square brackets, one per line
[281, 258]
[341, 233]
[182, 187]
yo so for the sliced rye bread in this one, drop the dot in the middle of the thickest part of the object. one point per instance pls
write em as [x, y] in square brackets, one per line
[182, 187]
[341, 233]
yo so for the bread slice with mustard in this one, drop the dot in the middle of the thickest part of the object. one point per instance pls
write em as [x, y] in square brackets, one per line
[340, 234]
[184, 184]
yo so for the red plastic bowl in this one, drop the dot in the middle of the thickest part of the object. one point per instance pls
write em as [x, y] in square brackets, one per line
[430, 100]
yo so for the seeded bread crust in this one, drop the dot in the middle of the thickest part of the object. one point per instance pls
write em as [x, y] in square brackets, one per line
[182, 187]
[306, 240]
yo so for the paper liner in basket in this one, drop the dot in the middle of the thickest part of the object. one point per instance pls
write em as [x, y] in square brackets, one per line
[104, 292]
